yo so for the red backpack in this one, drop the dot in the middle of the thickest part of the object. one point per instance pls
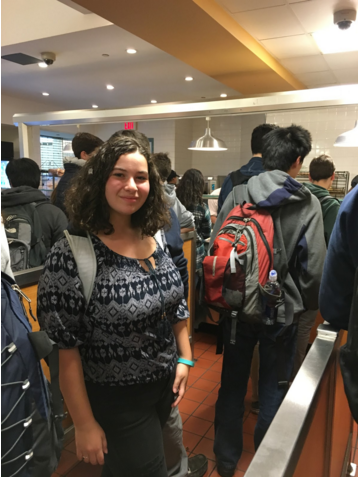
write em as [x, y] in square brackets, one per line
[239, 262]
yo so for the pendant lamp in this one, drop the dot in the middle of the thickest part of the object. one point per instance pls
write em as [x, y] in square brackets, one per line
[349, 138]
[207, 142]
[67, 148]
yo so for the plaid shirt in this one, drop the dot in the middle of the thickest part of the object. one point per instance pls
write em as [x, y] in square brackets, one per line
[203, 230]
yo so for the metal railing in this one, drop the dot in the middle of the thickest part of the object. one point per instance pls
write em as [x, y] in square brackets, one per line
[311, 432]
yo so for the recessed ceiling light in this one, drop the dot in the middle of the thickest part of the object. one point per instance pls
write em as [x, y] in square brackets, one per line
[45, 94]
[131, 51]
[224, 95]
[94, 106]
[42, 64]
[109, 86]
[189, 78]
[154, 101]
[334, 40]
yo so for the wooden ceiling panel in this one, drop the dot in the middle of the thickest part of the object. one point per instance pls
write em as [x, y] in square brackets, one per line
[203, 35]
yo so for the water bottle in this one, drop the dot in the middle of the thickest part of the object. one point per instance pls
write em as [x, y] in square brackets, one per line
[272, 294]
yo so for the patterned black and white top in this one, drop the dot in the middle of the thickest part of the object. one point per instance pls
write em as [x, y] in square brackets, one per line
[120, 334]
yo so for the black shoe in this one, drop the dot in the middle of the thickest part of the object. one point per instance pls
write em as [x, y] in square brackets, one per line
[224, 471]
[198, 465]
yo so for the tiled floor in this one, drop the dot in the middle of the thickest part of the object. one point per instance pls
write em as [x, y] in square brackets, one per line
[197, 411]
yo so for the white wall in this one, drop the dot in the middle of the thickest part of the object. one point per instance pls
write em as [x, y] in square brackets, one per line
[11, 105]
[11, 134]
[183, 137]
[325, 125]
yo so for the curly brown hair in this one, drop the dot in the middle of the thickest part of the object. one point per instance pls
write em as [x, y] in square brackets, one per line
[191, 189]
[86, 202]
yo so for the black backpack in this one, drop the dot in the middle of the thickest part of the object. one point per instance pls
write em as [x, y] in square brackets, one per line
[31, 408]
[24, 235]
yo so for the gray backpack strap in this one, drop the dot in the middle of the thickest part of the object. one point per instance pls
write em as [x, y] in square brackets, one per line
[85, 257]
[240, 194]
[326, 197]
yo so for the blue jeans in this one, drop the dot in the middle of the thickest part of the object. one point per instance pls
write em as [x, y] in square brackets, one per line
[230, 406]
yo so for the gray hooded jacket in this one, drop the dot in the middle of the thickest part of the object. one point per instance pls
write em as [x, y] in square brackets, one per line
[299, 243]
[186, 218]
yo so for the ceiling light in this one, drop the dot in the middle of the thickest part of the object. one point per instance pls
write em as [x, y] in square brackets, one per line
[109, 86]
[154, 101]
[349, 138]
[131, 51]
[42, 64]
[207, 142]
[189, 78]
[224, 95]
[94, 106]
[45, 94]
[334, 40]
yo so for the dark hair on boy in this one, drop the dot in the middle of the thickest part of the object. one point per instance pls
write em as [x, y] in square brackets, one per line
[86, 202]
[137, 135]
[257, 135]
[322, 167]
[85, 142]
[163, 164]
[191, 188]
[23, 172]
[283, 146]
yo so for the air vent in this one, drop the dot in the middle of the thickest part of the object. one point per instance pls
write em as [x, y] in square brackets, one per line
[21, 59]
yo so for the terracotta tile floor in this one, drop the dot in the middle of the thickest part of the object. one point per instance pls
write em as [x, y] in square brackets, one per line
[197, 411]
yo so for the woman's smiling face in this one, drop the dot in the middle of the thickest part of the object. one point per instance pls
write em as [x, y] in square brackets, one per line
[128, 187]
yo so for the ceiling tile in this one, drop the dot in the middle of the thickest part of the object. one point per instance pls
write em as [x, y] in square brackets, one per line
[347, 76]
[318, 14]
[321, 78]
[235, 6]
[272, 22]
[305, 64]
[291, 46]
[342, 60]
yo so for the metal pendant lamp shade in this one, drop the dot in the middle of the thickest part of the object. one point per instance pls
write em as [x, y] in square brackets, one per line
[207, 142]
[349, 138]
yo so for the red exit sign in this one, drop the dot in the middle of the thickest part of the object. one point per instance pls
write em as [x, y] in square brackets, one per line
[128, 125]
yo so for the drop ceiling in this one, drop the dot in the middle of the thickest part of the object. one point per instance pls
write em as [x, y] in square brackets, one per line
[284, 28]
[78, 78]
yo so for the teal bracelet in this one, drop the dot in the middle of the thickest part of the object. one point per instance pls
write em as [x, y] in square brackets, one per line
[186, 361]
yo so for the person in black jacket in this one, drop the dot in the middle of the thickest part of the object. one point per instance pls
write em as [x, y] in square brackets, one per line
[24, 178]
[84, 145]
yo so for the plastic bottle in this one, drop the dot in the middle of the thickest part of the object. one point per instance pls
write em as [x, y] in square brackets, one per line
[272, 289]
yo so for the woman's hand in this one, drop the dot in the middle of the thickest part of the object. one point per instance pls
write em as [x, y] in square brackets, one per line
[91, 443]
[181, 378]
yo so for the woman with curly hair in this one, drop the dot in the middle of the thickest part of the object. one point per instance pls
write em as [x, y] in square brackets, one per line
[190, 191]
[119, 368]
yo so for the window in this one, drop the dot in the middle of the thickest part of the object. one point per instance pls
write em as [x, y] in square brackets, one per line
[53, 150]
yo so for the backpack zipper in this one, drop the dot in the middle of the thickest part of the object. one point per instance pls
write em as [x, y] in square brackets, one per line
[262, 235]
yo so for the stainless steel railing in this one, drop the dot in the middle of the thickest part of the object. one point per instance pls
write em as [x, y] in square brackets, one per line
[301, 418]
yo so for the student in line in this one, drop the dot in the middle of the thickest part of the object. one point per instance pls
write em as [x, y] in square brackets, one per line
[84, 146]
[190, 192]
[300, 251]
[119, 368]
[321, 176]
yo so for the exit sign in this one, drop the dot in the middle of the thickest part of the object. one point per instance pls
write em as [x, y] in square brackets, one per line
[129, 125]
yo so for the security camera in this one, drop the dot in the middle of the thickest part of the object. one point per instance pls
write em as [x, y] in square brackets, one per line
[48, 57]
[344, 18]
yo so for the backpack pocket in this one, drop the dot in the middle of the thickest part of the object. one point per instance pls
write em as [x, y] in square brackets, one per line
[224, 282]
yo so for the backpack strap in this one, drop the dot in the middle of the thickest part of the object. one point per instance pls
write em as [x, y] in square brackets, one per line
[48, 350]
[240, 194]
[85, 258]
[238, 178]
